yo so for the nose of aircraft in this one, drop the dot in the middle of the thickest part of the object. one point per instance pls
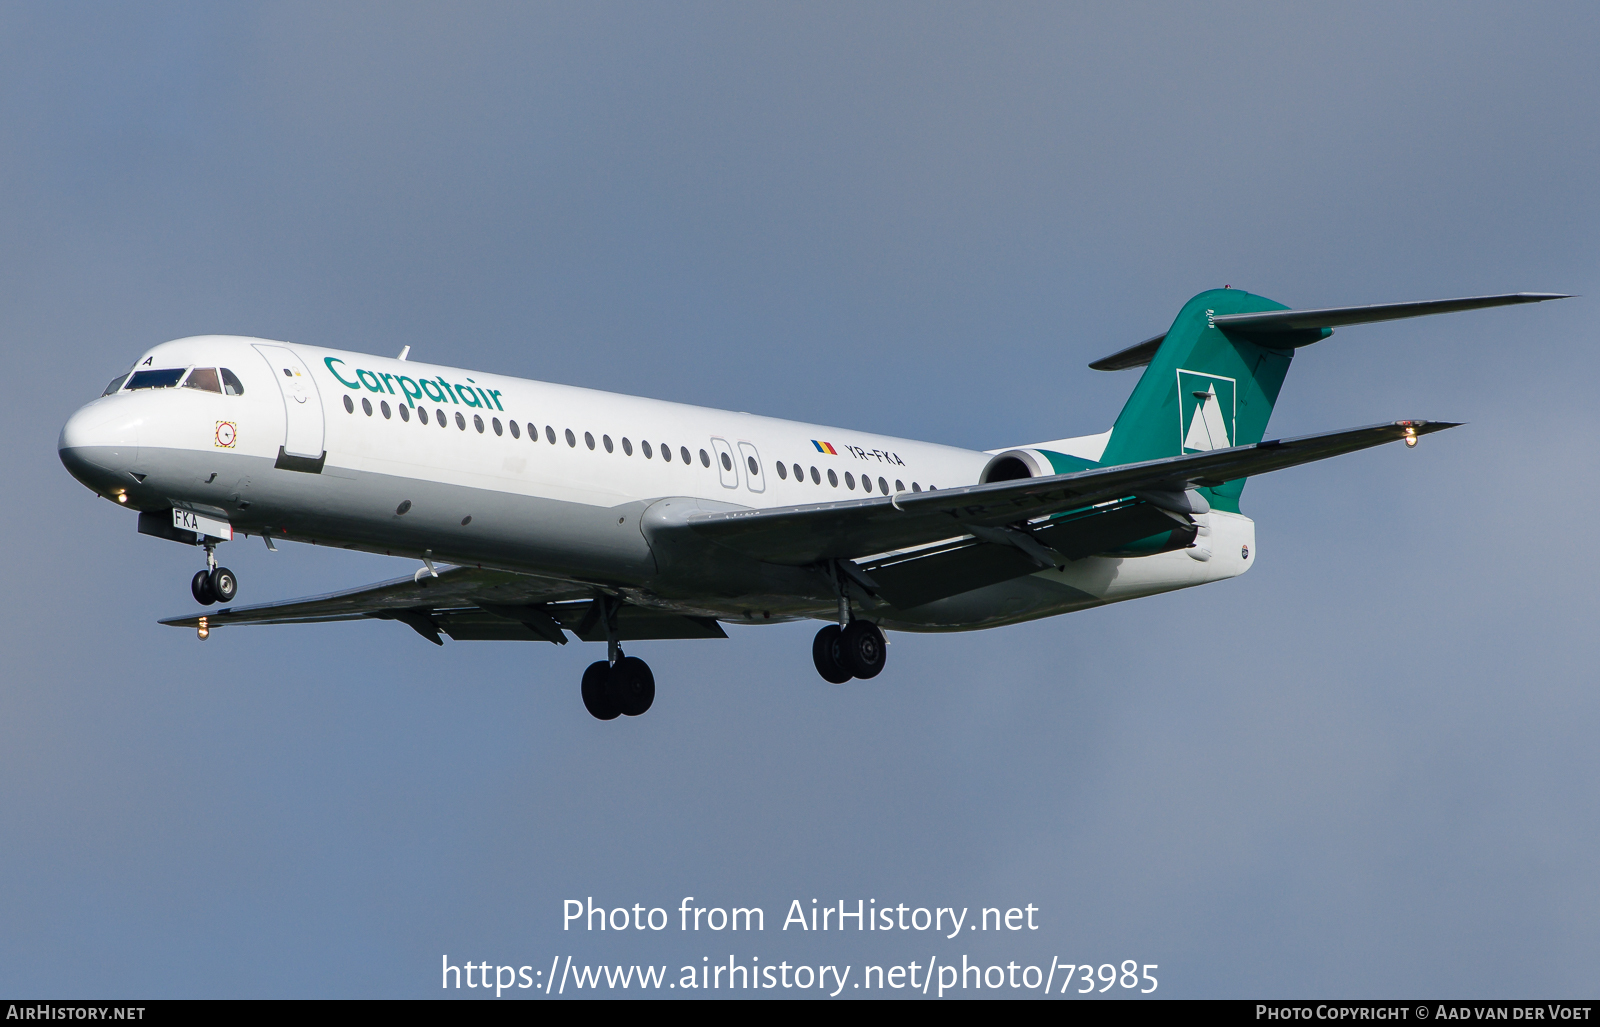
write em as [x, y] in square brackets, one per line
[99, 446]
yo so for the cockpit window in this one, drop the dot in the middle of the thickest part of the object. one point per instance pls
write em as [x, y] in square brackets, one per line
[116, 383]
[231, 383]
[165, 378]
[204, 379]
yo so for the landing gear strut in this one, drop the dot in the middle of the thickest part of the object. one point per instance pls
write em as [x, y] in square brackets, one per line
[851, 648]
[214, 584]
[617, 685]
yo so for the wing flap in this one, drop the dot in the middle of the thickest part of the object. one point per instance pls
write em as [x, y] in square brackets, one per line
[910, 579]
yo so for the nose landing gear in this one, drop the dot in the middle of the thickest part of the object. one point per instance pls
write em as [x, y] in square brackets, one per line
[215, 584]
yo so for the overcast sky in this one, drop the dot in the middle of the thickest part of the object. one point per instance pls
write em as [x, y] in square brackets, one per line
[1367, 767]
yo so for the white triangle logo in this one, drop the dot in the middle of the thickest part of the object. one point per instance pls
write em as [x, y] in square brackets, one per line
[1207, 428]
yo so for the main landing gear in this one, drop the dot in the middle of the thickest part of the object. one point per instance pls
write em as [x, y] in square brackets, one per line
[617, 686]
[624, 688]
[214, 584]
[856, 651]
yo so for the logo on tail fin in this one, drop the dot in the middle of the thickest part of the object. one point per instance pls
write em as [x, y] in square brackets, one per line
[1206, 411]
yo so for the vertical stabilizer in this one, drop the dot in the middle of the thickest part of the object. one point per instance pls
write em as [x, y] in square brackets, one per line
[1205, 387]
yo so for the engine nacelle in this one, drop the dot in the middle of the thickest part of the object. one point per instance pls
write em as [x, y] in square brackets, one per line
[1015, 464]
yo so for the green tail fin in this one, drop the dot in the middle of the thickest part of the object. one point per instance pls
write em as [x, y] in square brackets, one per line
[1206, 388]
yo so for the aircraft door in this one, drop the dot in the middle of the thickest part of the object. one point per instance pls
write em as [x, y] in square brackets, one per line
[302, 448]
[754, 478]
[727, 463]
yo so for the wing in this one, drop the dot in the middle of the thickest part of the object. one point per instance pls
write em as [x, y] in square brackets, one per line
[469, 604]
[802, 535]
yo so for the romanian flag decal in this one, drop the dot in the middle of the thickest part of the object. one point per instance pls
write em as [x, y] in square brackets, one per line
[825, 447]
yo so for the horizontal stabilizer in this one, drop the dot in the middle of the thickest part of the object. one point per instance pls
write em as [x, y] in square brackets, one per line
[1338, 317]
[1310, 322]
[1133, 356]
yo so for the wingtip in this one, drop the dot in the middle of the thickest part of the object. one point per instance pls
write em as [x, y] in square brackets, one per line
[1540, 297]
[1421, 427]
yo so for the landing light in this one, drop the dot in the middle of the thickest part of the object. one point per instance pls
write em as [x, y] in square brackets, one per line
[1411, 436]
[203, 631]
[122, 497]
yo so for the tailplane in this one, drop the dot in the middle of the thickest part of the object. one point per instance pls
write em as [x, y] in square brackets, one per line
[1213, 377]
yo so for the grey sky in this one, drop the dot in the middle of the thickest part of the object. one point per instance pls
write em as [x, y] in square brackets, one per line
[1365, 768]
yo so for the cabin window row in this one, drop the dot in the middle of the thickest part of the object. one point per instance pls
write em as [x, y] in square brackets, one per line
[442, 419]
[849, 479]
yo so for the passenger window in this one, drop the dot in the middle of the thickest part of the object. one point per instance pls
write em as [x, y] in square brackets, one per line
[899, 486]
[495, 421]
[850, 480]
[866, 482]
[883, 486]
[705, 459]
[461, 422]
[231, 385]
[516, 432]
[683, 451]
[116, 383]
[165, 378]
[588, 440]
[405, 413]
[438, 415]
[754, 467]
[799, 473]
[627, 447]
[783, 471]
[666, 453]
[644, 447]
[727, 462]
[915, 487]
[349, 405]
[477, 422]
[550, 433]
[384, 406]
[605, 440]
[816, 479]
[572, 440]
[366, 406]
[833, 479]
[422, 414]
[204, 379]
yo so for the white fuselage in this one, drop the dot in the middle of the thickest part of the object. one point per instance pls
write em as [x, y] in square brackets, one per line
[348, 449]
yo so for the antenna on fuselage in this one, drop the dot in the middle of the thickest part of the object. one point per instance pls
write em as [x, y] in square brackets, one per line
[403, 351]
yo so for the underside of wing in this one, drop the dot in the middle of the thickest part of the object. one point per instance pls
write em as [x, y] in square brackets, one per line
[470, 604]
[852, 530]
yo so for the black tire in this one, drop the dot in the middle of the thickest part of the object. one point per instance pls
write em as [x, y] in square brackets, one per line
[631, 686]
[826, 653]
[224, 585]
[862, 649]
[595, 699]
[200, 586]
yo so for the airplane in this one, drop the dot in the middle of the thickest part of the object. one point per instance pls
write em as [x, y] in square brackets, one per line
[535, 510]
